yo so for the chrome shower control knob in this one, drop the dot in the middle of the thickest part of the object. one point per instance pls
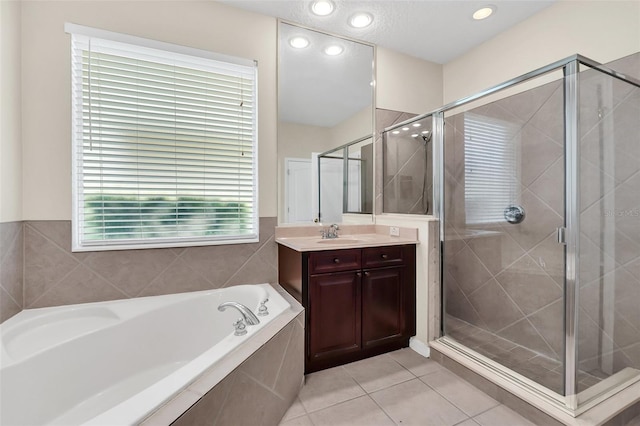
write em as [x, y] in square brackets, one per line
[514, 214]
[262, 310]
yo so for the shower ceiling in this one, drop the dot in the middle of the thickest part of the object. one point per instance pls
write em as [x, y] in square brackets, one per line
[434, 30]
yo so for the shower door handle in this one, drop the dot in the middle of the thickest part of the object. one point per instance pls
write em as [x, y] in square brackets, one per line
[561, 234]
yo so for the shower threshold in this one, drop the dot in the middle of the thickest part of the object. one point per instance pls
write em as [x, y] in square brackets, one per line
[541, 368]
[618, 399]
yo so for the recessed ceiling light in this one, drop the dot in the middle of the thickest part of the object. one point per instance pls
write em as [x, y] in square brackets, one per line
[395, 132]
[415, 135]
[405, 128]
[417, 124]
[333, 50]
[483, 13]
[322, 7]
[425, 132]
[361, 20]
[299, 42]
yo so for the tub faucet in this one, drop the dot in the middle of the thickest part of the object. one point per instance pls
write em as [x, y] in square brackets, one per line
[248, 316]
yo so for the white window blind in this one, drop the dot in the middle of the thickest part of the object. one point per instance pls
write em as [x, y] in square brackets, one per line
[491, 168]
[165, 147]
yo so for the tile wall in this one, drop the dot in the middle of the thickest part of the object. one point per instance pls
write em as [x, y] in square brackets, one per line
[408, 169]
[259, 391]
[50, 274]
[508, 279]
[384, 119]
[11, 269]
[609, 318]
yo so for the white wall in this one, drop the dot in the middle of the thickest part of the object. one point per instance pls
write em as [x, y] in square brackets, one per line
[10, 105]
[298, 141]
[407, 84]
[600, 30]
[46, 90]
[355, 127]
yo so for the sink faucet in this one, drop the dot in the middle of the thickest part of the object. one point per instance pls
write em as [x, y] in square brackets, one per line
[248, 316]
[330, 232]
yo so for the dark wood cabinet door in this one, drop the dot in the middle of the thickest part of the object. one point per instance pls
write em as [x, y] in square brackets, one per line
[334, 315]
[383, 310]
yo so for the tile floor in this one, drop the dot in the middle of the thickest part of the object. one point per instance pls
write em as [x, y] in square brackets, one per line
[398, 388]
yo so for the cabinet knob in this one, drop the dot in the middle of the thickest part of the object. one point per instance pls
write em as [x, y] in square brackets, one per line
[384, 256]
[336, 260]
[366, 274]
[358, 274]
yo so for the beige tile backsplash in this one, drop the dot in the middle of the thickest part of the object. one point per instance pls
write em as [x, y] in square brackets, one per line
[50, 274]
[11, 269]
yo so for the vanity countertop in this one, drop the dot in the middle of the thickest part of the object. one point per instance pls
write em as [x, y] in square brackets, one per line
[350, 236]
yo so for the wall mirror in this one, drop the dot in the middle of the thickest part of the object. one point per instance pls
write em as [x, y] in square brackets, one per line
[325, 108]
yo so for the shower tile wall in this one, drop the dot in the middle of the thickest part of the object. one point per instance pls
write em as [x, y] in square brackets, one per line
[408, 170]
[11, 267]
[384, 118]
[506, 279]
[53, 275]
[609, 295]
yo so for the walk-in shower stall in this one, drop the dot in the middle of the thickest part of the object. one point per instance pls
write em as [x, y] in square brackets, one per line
[538, 194]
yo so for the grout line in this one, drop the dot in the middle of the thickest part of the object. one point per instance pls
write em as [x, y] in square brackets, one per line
[154, 279]
[291, 327]
[382, 409]
[48, 290]
[24, 264]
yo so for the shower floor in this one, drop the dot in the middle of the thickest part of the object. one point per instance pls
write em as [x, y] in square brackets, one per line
[546, 371]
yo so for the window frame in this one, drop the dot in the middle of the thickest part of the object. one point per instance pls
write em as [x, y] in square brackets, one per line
[78, 245]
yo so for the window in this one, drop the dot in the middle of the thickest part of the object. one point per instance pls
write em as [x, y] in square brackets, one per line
[164, 144]
[491, 168]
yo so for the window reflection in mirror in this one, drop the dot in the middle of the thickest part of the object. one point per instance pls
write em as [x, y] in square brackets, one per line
[324, 102]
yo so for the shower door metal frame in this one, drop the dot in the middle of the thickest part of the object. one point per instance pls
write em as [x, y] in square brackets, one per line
[571, 231]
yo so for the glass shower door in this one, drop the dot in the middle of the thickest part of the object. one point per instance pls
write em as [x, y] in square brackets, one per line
[503, 202]
[608, 325]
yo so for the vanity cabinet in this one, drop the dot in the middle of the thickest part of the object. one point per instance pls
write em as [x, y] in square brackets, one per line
[359, 302]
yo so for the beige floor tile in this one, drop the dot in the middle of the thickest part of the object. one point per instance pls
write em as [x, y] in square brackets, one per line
[328, 387]
[462, 394]
[414, 362]
[468, 422]
[360, 411]
[296, 410]
[415, 403]
[501, 416]
[378, 373]
[298, 421]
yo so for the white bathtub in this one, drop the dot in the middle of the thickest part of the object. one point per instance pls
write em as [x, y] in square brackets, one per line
[114, 363]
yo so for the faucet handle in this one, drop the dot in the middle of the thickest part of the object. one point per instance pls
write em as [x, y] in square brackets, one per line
[241, 328]
[263, 310]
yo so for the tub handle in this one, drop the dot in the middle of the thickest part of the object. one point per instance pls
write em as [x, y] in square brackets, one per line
[241, 328]
[263, 310]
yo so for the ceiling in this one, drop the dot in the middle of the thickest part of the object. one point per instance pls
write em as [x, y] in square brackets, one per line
[320, 90]
[434, 30]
